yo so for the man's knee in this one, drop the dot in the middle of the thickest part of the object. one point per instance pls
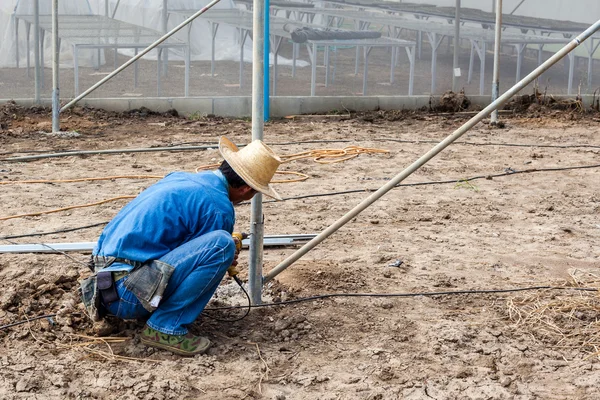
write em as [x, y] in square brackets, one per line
[222, 240]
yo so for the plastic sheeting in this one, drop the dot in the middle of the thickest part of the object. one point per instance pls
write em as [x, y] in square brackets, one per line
[150, 14]
[146, 13]
[11, 8]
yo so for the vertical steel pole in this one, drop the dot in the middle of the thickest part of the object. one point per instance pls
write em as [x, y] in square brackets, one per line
[267, 55]
[497, 42]
[431, 153]
[55, 65]
[256, 218]
[36, 53]
[456, 47]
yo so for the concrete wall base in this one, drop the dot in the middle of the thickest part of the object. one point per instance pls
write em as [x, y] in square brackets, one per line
[241, 107]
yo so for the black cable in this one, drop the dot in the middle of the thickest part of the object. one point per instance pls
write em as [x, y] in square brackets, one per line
[248, 307]
[428, 294]
[327, 296]
[367, 190]
[53, 232]
[489, 176]
[26, 321]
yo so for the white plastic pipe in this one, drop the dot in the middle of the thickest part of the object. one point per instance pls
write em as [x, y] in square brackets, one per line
[138, 56]
[255, 257]
[456, 47]
[36, 51]
[497, 45]
[55, 65]
[432, 153]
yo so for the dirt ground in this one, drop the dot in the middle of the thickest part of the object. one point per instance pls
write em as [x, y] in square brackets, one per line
[530, 219]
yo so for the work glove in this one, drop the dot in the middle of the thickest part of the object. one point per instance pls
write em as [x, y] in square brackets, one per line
[237, 239]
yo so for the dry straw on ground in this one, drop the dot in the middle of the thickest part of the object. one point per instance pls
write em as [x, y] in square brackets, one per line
[569, 319]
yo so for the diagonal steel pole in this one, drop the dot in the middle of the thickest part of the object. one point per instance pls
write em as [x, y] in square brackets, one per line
[431, 153]
[140, 55]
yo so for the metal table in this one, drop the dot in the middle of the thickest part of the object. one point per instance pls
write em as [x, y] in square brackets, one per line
[435, 32]
[243, 22]
[523, 24]
[100, 32]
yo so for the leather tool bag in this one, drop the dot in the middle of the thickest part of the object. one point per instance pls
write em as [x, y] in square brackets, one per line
[106, 286]
[98, 287]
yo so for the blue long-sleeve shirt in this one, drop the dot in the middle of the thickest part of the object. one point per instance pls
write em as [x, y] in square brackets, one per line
[178, 208]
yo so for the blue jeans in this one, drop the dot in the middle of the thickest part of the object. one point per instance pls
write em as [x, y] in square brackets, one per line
[200, 265]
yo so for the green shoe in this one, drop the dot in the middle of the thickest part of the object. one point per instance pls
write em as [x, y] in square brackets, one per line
[185, 345]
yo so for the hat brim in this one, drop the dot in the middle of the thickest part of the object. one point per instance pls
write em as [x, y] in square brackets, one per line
[229, 150]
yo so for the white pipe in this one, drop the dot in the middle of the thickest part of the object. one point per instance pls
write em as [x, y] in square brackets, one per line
[518, 5]
[456, 47]
[497, 45]
[36, 52]
[270, 241]
[140, 55]
[115, 9]
[55, 66]
[255, 257]
[431, 153]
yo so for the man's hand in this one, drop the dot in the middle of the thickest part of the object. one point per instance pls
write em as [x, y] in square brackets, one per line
[237, 239]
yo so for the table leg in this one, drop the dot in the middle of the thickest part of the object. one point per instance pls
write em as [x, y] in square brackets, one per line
[313, 58]
[326, 50]
[75, 68]
[135, 70]
[213, 29]
[571, 71]
[294, 57]
[158, 72]
[367, 50]
[482, 68]
[411, 78]
[27, 31]
[16, 40]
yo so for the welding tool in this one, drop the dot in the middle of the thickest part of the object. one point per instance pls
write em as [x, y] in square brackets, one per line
[233, 270]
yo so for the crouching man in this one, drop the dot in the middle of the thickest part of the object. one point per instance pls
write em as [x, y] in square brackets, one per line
[164, 254]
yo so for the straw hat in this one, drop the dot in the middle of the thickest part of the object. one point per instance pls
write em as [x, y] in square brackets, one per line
[255, 164]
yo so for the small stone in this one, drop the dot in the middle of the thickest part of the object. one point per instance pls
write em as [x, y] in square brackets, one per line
[464, 373]
[505, 381]
[281, 324]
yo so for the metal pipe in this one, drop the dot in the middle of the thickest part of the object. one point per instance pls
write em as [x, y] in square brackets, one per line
[36, 52]
[270, 241]
[55, 65]
[255, 256]
[431, 153]
[455, 67]
[497, 45]
[140, 55]
[115, 9]
[518, 5]
[267, 55]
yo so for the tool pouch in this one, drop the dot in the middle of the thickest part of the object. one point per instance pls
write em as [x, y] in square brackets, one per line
[106, 286]
[149, 282]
